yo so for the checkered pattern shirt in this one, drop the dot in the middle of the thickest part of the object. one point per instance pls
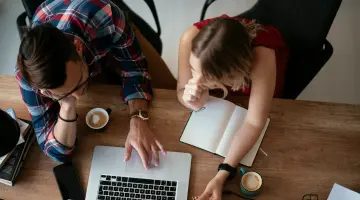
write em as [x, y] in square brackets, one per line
[102, 27]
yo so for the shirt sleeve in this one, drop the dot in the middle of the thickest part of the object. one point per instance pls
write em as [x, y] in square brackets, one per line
[44, 114]
[112, 33]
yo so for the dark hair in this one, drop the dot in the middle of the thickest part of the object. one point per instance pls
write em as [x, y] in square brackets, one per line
[43, 54]
[224, 49]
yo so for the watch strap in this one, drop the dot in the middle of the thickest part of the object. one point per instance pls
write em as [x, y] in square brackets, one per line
[232, 170]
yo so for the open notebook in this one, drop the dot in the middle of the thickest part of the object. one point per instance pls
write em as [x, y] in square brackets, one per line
[214, 127]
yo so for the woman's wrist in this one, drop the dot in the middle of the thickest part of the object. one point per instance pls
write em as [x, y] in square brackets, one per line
[222, 175]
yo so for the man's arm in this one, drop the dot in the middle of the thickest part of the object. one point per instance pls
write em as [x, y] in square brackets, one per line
[115, 34]
[132, 64]
[44, 116]
[110, 32]
[65, 132]
[137, 104]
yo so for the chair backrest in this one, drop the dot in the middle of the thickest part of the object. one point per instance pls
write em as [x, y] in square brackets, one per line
[303, 23]
[31, 6]
[152, 7]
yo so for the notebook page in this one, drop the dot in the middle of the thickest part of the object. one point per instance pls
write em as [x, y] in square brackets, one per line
[205, 128]
[236, 121]
[230, 131]
[340, 192]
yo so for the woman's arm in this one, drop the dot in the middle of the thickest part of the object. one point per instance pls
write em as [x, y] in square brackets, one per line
[262, 91]
[263, 83]
[184, 68]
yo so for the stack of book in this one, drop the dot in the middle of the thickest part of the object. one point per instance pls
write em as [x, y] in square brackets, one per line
[11, 163]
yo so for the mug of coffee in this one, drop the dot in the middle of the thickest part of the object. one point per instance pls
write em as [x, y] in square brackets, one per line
[251, 182]
[98, 118]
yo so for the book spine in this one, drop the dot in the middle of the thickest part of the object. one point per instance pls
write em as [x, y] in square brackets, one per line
[22, 159]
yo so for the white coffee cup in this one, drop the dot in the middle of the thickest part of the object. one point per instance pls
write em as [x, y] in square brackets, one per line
[105, 112]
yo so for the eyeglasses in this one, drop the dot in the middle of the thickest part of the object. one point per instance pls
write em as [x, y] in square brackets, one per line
[53, 96]
[56, 98]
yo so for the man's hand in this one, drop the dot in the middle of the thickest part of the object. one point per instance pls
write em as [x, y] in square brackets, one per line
[195, 96]
[144, 141]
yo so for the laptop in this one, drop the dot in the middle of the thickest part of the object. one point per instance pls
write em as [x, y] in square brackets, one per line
[112, 179]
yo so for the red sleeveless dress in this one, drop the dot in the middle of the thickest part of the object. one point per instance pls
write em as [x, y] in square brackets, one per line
[271, 38]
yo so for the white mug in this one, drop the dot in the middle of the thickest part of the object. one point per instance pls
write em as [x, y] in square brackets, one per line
[106, 113]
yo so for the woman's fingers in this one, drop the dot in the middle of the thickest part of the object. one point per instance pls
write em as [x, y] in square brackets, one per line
[189, 97]
[205, 196]
[192, 92]
[193, 89]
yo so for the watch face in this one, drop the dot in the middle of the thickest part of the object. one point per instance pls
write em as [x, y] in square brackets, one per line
[144, 114]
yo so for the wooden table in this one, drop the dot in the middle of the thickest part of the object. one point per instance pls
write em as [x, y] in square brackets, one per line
[310, 145]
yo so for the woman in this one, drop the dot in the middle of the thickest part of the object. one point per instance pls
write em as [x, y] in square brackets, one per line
[236, 54]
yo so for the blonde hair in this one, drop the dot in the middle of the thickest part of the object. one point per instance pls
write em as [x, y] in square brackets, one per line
[225, 53]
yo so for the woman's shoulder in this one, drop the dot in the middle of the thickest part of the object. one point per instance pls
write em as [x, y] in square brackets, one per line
[269, 37]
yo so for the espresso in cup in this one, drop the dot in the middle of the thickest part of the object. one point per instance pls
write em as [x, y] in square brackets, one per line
[97, 118]
[251, 181]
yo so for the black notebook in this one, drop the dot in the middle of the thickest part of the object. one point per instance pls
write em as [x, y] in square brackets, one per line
[11, 168]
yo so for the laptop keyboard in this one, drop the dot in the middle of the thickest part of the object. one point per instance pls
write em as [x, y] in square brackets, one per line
[126, 188]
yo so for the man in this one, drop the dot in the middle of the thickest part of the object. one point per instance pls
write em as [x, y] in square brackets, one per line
[67, 46]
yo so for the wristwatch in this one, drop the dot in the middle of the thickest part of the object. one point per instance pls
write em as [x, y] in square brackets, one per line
[142, 114]
[232, 170]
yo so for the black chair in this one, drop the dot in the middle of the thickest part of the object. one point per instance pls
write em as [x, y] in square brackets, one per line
[304, 24]
[149, 33]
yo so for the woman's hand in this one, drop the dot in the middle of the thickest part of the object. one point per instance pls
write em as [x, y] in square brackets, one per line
[213, 190]
[195, 96]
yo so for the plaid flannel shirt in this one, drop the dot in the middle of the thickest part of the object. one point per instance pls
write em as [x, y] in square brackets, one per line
[102, 27]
